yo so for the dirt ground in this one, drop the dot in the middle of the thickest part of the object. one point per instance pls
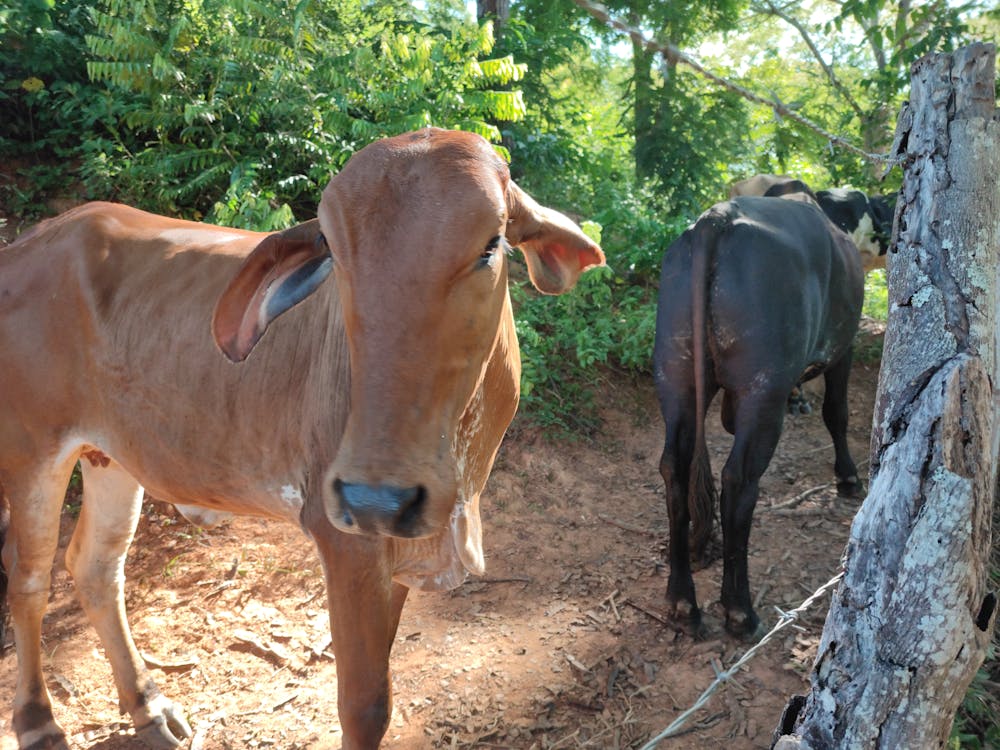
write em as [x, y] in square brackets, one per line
[560, 646]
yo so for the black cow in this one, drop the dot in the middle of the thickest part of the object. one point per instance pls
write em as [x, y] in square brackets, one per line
[866, 220]
[758, 295]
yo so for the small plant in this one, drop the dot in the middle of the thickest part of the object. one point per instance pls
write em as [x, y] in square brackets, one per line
[977, 724]
[876, 304]
[168, 569]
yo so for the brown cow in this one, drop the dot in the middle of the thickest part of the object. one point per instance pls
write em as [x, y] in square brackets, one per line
[758, 185]
[370, 415]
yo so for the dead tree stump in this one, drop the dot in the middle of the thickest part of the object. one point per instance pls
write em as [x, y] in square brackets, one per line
[910, 623]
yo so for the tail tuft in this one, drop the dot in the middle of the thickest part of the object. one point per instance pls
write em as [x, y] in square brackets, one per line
[701, 504]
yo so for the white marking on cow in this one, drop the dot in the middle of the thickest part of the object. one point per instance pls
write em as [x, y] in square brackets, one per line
[292, 496]
[72, 445]
[863, 237]
[155, 707]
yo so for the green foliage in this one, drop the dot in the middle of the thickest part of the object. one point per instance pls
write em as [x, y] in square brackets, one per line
[45, 97]
[246, 108]
[844, 65]
[694, 123]
[977, 724]
[239, 111]
[681, 125]
[608, 320]
[876, 304]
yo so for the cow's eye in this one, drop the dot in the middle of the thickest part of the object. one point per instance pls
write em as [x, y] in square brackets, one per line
[490, 251]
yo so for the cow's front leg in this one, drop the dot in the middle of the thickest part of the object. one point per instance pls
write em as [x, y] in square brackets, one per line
[365, 605]
[96, 559]
[835, 410]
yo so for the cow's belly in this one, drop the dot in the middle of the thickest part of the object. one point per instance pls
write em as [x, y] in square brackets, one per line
[200, 475]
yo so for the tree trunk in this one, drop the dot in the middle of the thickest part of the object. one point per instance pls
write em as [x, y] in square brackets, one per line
[498, 10]
[911, 621]
[642, 127]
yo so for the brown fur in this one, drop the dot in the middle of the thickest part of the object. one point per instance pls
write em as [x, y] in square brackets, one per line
[401, 370]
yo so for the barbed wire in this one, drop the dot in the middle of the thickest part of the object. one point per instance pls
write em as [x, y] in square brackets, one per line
[673, 54]
[786, 619]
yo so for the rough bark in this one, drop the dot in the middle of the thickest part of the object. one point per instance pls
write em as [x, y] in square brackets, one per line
[498, 10]
[643, 127]
[911, 621]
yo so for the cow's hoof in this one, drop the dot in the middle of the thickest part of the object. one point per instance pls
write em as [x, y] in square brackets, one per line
[744, 625]
[36, 729]
[48, 742]
[166, 731]
[687, 617]
[850, 488]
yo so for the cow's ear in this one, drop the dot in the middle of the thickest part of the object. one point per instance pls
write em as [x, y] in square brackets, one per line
[556, 251]
[281, 271]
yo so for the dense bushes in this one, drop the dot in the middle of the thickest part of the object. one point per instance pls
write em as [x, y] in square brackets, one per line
[237, 112]
[609, 319]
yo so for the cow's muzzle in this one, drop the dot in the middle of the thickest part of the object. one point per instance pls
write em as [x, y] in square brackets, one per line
[379, 509]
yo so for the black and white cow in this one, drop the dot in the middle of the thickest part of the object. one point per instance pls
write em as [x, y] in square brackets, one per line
[866, 220]
[756, 296]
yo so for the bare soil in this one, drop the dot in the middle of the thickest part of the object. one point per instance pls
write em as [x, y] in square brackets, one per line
[560, 646]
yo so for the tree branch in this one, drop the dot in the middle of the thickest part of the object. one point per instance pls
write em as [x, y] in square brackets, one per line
[827, 68]
[871, 33]
[671, 52]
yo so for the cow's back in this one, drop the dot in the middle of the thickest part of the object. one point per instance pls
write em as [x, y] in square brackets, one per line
[105, 321]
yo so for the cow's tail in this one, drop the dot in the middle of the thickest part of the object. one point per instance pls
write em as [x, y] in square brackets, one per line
[4, 612]
[701, 488]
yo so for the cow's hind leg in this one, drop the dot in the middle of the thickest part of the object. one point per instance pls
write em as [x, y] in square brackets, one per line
[758, 422]
[679, 416]
[835, 409]
[112, 500]
[35, 498]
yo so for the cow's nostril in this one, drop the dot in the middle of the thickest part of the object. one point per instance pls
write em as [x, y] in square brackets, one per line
[345, 514]
[411, 509]
[381, 509]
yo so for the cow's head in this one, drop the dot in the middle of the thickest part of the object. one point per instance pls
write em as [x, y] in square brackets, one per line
[417, 227]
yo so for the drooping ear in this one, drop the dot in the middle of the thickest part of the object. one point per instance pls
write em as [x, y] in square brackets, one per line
[556, 251]
[281, 271]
